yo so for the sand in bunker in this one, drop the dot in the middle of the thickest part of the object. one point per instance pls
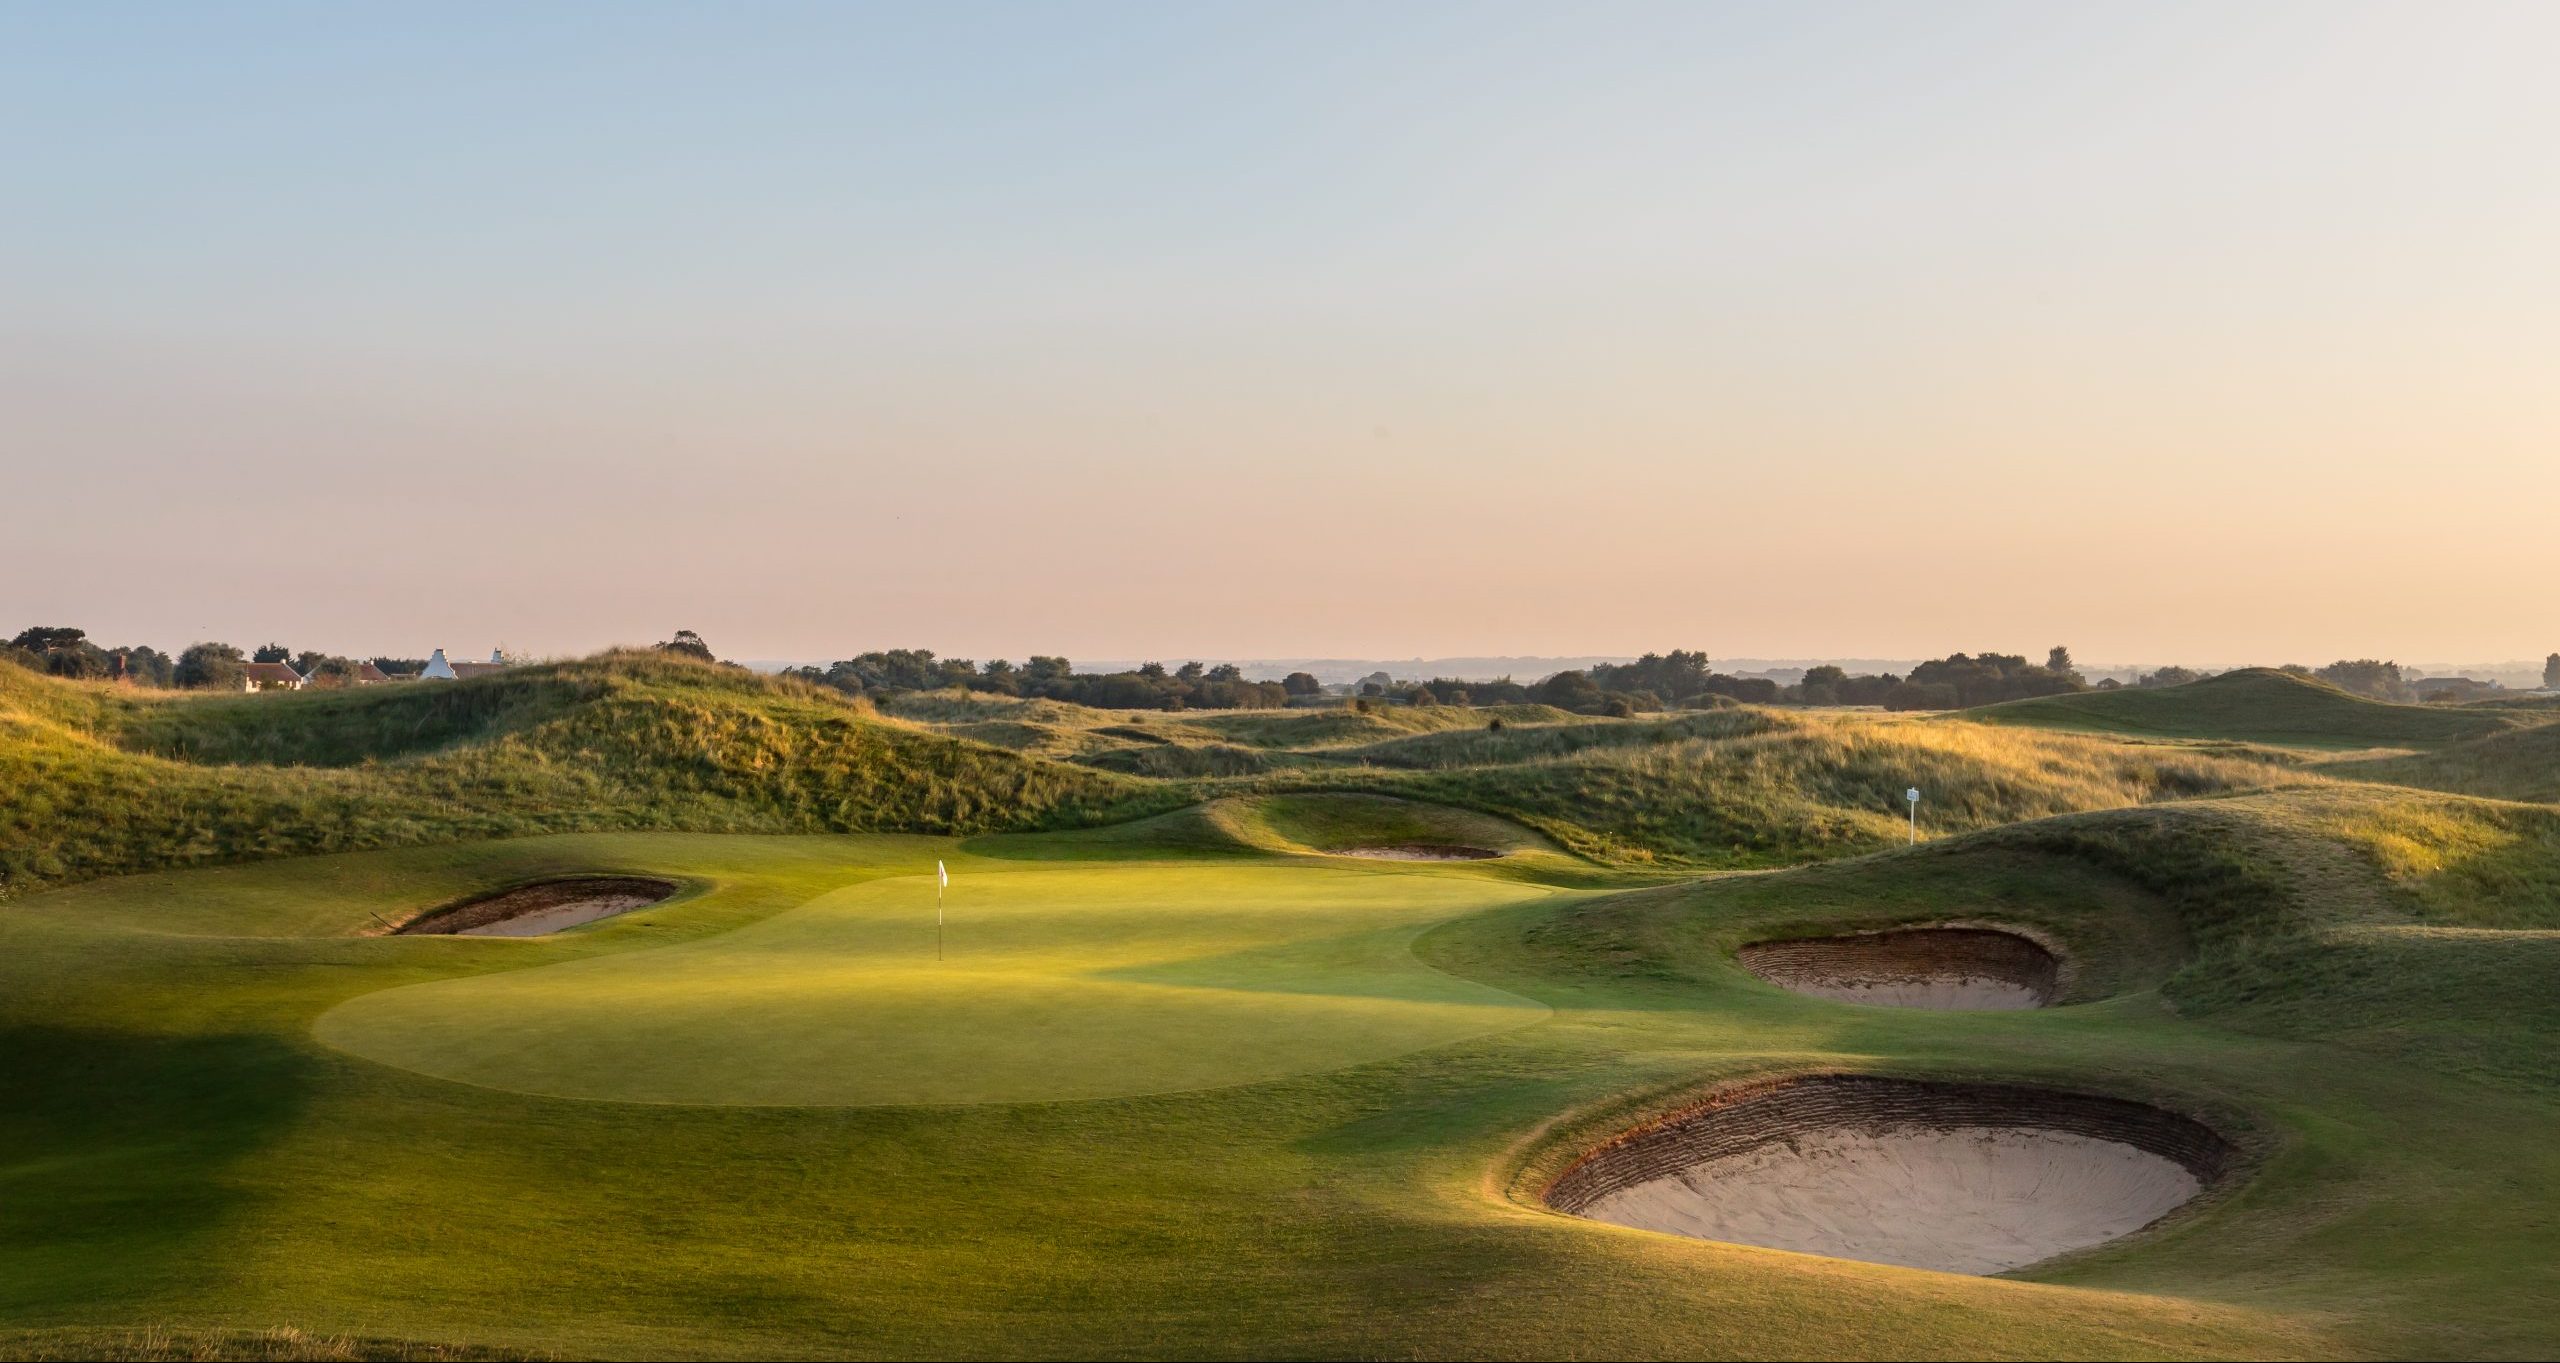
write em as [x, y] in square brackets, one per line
[543, 907]
[1933, 967]
[1959, 1200]
[1421, 851]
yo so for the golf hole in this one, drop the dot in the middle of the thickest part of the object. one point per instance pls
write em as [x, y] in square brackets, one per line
[545, 906]
[1945, 967]
[1961, 1178]
[1421, 851]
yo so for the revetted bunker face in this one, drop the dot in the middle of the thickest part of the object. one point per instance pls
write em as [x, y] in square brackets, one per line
[1961, 1178]
[545, 906]
[1948, 967]
[1421, 851]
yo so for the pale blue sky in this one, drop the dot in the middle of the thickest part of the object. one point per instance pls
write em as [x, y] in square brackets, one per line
[1189, 329]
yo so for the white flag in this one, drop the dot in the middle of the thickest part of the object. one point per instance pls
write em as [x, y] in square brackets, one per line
[944, 872]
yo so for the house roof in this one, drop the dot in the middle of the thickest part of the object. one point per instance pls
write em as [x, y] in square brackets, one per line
[273, 672]
[474, 669]
[367, 672]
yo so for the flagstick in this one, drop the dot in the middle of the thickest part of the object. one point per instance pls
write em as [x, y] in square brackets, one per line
[937, 918]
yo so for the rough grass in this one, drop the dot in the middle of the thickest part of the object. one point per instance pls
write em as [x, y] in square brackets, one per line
[277, 1344]
[2515, 764]
[2256, 705]
[627, 741]
[1774, 789]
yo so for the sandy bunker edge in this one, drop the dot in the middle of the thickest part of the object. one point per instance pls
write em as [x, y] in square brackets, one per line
[1419, 851]
[542, 906]
[1950, 965]
[1958, 1177]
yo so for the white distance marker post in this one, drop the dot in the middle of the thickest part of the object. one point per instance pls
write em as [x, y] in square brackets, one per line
[941, 882]
[1913, 795]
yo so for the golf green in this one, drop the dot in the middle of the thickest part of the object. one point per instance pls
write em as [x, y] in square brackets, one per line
[1094, 981]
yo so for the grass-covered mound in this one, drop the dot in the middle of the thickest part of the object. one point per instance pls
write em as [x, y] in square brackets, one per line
[1337, 825]
[1745, 788]
[94, 781]
[2511, 764]
[2257, 705]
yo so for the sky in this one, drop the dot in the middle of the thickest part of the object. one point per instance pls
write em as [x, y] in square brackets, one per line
[2207, 333]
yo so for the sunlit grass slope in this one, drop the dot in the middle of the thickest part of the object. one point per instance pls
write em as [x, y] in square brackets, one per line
[2511, 764]
[2259, 705]
[95, 781]
[1742, 788]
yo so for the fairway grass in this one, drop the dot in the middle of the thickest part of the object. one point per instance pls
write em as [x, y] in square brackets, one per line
[1172, 1095]
[1094, 982]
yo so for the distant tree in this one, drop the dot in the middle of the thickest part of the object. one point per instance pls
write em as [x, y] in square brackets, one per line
[1570, 691]
[2551, 673]
[145, 666]
[1923, 695]
[1190, 671]
[1152, 671]
[1370, 688]
[1676, 675]
[2057, 660]
[61, 651]
[1980, 679]
[688, 644]
[1424, 695]
[1302, 684]
[1494, 726]
[1453, 695]
[1226, 672]
[1042, 668]
[2367, 677]
[1618, 707]
[211, 666]
[2167, 676]
[47, 638]
[1821, 685]
[400, 667]
[271, 653]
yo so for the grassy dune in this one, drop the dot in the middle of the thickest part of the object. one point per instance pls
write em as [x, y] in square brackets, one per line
[2511, 764]
[99, 782]
[2257, 705]
[1745, 788]
[111, 782]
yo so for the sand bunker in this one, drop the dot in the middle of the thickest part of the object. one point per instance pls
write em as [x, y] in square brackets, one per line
[1932, 967]
[1421, 851]
[542, 907]
[1962, 1178]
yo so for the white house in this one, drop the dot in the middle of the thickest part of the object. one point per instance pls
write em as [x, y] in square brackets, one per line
[272, 677]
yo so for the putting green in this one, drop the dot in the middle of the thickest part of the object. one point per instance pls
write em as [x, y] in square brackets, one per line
[1093, 982]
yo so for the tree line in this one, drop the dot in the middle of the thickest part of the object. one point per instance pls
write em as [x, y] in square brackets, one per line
[1153, 686]
[64, 651]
